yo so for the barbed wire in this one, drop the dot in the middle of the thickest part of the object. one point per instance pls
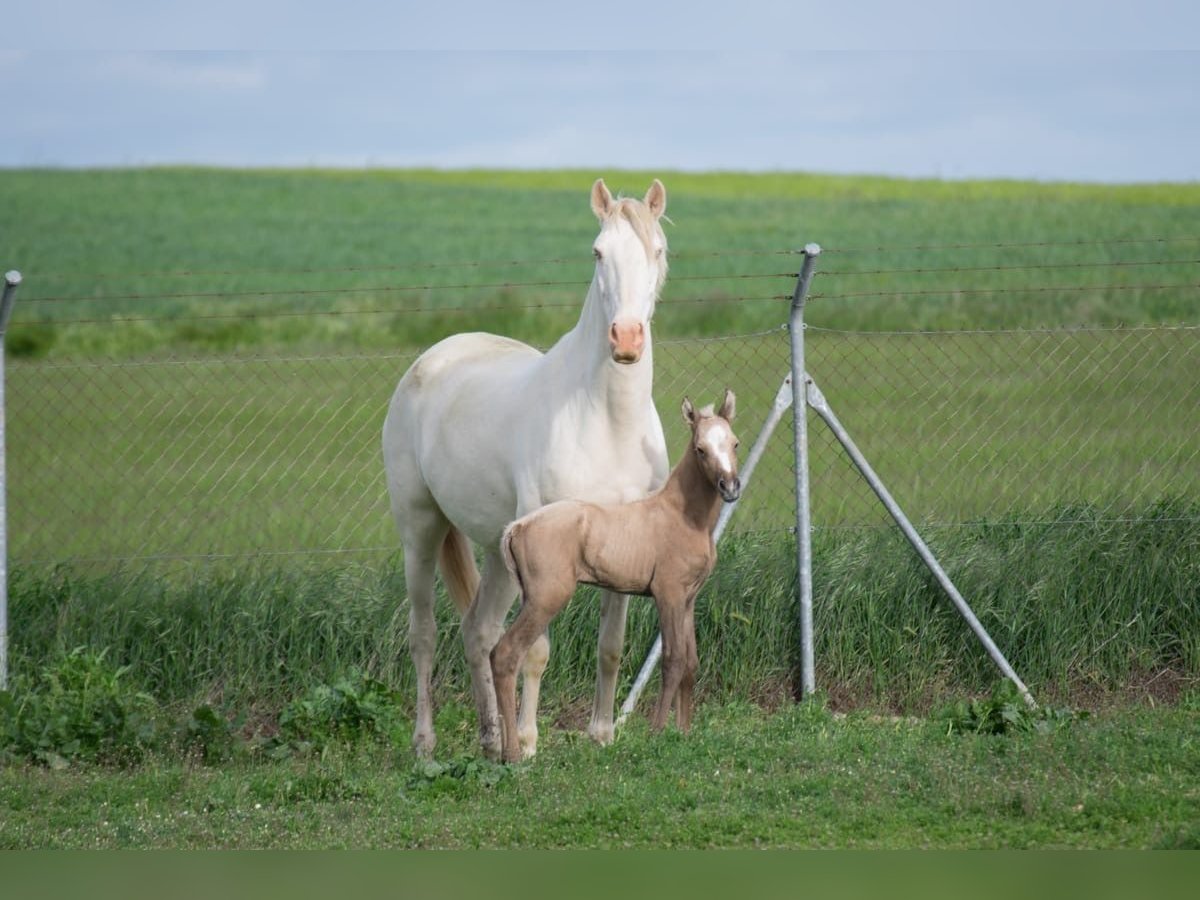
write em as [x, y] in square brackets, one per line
[1056, 329]
[955, 291]
[585, 260]
[377, 289]
[1002, 245]
[382, 355]
[1017, 268]
[582, 259]
[400, 310]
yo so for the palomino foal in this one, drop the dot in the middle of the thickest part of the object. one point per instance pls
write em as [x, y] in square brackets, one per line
[661, 546]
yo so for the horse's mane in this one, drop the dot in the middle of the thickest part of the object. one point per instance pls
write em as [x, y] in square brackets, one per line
[645, 226]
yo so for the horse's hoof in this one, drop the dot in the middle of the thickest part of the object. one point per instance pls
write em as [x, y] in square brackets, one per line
[490, 744]
[423, 745]
[601, 733]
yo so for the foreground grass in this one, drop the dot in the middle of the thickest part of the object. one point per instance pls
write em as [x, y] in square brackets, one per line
[799, 777]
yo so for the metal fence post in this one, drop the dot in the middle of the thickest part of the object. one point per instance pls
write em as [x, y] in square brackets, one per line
[11, 280]
[800, 435]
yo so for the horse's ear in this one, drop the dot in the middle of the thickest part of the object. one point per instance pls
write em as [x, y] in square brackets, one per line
[602, 199]
[656, 198]
[728, 406]
[689, 411]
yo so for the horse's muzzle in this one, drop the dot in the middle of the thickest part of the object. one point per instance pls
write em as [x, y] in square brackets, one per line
[628, 340]
[730, 490]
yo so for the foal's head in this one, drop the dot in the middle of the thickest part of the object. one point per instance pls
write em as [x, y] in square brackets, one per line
[715, 445]
[631, 265]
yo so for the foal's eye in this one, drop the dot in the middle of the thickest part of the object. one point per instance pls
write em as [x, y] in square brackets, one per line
[700, 450]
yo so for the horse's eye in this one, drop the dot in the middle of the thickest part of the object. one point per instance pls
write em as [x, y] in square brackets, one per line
[596, 253]
[736, 444]
[700, 450]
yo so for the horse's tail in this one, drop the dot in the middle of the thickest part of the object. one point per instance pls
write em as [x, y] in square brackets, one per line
[459, 571]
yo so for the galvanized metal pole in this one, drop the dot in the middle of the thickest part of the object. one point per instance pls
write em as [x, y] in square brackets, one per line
[11, 280]
[783, 399]
[818, 402]
[800, 437]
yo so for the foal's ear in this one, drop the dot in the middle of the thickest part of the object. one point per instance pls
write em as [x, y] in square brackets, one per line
[728, 406]
[656, 198]
[602, 199]
[689, 411]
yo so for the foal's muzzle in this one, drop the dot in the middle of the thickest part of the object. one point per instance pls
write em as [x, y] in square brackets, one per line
[730, 489]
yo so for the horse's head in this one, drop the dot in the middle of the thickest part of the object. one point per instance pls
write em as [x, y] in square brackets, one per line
[715, 445]
[631, 265]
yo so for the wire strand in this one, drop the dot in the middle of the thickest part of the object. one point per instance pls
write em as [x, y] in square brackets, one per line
[378, 289]
[403, 310]
[1011, 244]
[1085, 265]
[1010, 290]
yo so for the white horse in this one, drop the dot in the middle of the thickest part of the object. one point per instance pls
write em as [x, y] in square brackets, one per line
[483, 429]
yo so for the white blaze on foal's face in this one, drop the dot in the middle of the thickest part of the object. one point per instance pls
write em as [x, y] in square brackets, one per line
[719, 442]
[715, 445]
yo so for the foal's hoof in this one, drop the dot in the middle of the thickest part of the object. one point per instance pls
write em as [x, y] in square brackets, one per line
[528, 741]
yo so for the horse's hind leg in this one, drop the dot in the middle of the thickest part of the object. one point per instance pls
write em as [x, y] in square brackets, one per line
[482, 626]
[608, 660]
[421, 542]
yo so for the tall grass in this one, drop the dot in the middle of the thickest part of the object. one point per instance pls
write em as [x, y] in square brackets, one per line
[1079, 607]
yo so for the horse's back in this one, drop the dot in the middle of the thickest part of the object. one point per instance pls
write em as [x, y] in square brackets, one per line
[440, 436]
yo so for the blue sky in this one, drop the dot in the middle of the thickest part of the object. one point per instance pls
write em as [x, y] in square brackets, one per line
[1118, 99]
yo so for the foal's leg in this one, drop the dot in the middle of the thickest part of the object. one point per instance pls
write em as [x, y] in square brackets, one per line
[683, 702]
[613, 608]
[482, 626]
[671, 617]
[522, 637]
[532, 668]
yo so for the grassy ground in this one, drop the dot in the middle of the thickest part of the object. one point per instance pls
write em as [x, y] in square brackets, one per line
[209, 259]
[744, 778]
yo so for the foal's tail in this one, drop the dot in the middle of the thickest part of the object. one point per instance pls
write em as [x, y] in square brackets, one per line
[459, 571]
[512, 531]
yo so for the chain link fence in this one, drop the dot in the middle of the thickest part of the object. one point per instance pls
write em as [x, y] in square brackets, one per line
[979, 390]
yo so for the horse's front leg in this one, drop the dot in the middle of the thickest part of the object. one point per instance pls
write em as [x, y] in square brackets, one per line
[482, 626]
[613, 608]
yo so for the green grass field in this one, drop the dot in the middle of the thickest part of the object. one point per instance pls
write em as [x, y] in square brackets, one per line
[795, 778]
[248, 248]
[198, 368]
